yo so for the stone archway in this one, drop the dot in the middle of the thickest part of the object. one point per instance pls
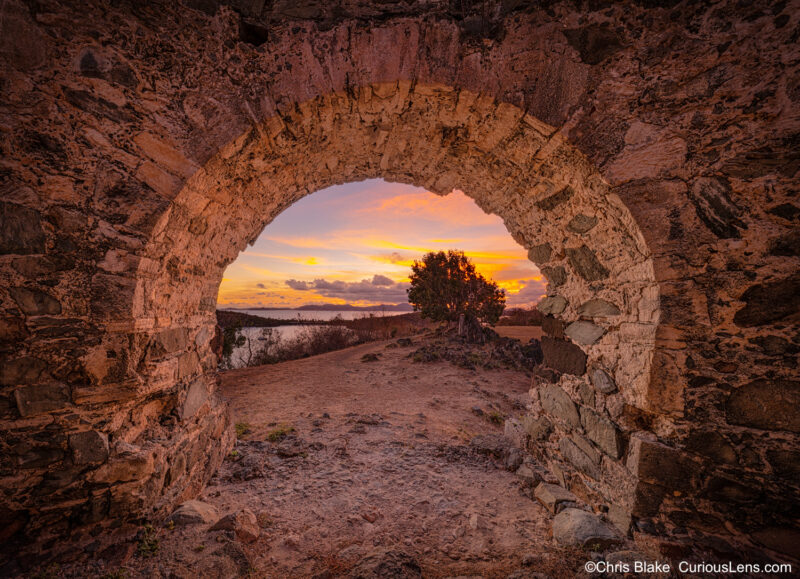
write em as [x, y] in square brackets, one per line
[128, 134]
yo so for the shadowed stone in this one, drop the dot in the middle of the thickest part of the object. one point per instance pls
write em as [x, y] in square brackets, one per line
[35, 302]
[552, 305]
[602, 432]
[713, 205]
[598, 308]
[785, 463]
[553, 327]
[601, 381]
[41, 398]
[581, 223]
[25, 370]
[384, 564]
[620, 517]
[564, 356]
[243, 523]
[556, 402]
[555, 275]
[539, 254]
[585, 333]
[765, 404]
[586, 264]
[556, 199]
[769, 302]
[89, 447]
[575, 455]
[194, 513]
[20, 229]
[551, 496]
[537, 427]
[574, 527]
[594, 42]
[658, 464]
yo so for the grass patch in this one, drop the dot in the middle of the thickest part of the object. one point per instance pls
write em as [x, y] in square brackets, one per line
[242, 428]
[148, 544]
[279, 433]
[495, 417]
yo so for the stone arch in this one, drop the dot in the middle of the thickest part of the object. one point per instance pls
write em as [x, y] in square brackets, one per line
[603, 295]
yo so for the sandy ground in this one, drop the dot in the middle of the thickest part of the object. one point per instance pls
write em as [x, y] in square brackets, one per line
[379, 458]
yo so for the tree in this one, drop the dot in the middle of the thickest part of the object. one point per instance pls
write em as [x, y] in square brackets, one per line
[445, 285]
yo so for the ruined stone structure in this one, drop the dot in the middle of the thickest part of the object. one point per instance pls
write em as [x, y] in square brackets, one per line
[647, 157]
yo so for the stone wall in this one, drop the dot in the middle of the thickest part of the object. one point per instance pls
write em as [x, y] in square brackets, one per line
[646, 157]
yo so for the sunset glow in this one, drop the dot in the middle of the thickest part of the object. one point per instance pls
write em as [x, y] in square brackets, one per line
[355, 243]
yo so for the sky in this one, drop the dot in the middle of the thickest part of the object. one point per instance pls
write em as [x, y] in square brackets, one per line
[355, 243]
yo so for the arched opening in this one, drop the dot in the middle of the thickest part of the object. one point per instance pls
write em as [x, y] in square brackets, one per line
[604, 300]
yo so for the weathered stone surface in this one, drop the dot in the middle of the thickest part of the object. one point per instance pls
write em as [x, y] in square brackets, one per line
[540, 254]
[564, 356]
[713, 445]
[573, 454]
[34, 302]
[556, 199]
[557, 275]
[552, 305]
[712, 201]
[581, 223]
[658, 464]
[551, 496]
[553, 327]
[537, 427]
[601, 381]
[195, 513]
[196, 396]
[577, 528]
[243, 523]
[585, 263]
[89, 447]
[555, 402]
[770, 302]
[20, 229]
[621, 518]
[23, 370]
[597, 308]
[602, 432]
[585, 333]
[785, 463]
[765, 404]
[40, 398]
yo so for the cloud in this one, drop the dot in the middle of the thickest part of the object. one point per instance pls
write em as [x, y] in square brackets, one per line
[261, 286]
[379, 289]
[531, 292]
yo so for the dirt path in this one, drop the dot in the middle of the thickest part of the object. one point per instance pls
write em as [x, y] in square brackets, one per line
[379, 458]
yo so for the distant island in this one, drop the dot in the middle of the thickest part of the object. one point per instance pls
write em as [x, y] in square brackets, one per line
[337, 308]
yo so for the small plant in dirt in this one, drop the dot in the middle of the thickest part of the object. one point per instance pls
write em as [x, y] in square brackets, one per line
[279, 433]
[242, 428]
[495, 417]
[264, 521]
[118, 574]
[234, 454]
[170, 525]
[199, 548]
[148, 542]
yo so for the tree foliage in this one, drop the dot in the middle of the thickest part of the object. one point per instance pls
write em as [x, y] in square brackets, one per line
[446, 285]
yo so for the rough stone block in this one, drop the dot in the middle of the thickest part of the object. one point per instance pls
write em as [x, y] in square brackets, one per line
[564, 356]
[621, 518]
[20, 230]
[89, 447]
[195, 398]
[581, 223]
[578, 458]
[597, 308]
[34, 302]
[553, 327]
[537, 427]
[540, 254]
[601, 381]
[765, 404]
[243, 523]
[556, 199]
[195, 513]
[602, 432]
[769, 302]
[585, 333]
[578, 528]
[552, 305]
[658, 464]
[585, 263]
[555, 402]
[41, 398]
[515, 432]
[557, 275]
[551, 496]
[23, 370]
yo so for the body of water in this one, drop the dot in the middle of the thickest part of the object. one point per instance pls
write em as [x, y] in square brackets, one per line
[240, 355]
